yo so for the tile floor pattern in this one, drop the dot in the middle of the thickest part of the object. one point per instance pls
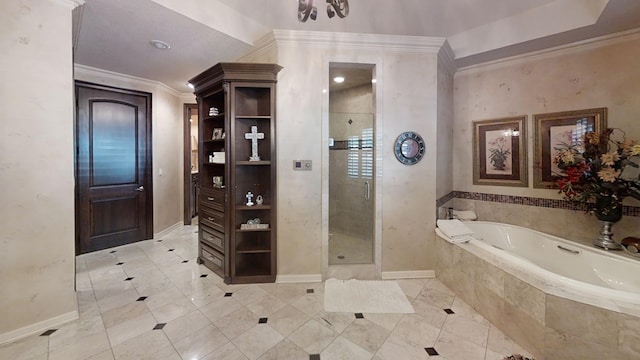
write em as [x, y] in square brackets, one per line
[150, 300]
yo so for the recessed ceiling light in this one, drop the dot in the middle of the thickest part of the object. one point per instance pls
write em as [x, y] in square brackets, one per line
[338, 79]
[159, 44]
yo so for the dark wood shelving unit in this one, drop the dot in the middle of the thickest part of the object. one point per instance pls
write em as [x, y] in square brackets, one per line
[243, 96]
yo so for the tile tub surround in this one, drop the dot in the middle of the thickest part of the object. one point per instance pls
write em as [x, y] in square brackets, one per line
[548, 326]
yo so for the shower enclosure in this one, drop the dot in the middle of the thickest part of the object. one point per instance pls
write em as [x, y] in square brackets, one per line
[351, 165]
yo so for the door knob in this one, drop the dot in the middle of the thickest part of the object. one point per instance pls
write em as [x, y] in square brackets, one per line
[140, 188]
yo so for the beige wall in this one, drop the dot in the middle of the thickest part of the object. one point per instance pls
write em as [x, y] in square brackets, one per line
[167, 130]
[36, 167]
[598, 74]
[444, 164]
[407, 80]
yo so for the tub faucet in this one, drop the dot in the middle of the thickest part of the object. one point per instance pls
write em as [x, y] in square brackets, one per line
[450, 214]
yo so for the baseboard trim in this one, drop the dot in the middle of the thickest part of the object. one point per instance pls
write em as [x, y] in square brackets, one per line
[292, 279]
[164, 232]
[415, 274]
[38, 327]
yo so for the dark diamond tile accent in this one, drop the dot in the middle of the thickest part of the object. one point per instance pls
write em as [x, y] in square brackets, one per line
[171, 249]
[431, 351]
[359, 316]
[128, 279]
[203, 275]
[48, 332]
[263, 320]
[111, 252]
[159, 326]
[310, 291]
[185, 261]
[228, 294]
[120, 263]
[141, 298]
[449, 311]
[158, 240]
[314, 357]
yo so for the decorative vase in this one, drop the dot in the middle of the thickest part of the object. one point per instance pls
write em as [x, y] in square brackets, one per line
[498, 164]
[608, 210]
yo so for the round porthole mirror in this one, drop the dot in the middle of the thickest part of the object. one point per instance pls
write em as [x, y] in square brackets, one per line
[409, 148]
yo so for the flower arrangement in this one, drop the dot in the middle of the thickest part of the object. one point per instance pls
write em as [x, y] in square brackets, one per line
[498, 152]
[593, 171]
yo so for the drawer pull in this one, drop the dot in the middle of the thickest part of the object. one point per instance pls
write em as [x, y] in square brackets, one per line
[211, 219]
[210, 198]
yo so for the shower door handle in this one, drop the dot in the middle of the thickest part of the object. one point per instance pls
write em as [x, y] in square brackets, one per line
[367, 190]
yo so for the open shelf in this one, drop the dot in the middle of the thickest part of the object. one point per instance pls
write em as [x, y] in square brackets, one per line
[244, 96]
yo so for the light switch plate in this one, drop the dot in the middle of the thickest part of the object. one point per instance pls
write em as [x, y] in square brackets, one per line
[302, 165]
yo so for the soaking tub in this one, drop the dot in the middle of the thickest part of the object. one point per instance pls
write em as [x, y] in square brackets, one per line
[548, 293]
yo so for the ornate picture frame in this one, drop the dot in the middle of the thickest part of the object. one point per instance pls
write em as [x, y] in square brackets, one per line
[500, 152]
[553, 128]
[217, 134]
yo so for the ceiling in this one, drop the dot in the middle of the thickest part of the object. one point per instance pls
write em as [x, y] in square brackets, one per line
[115, 35]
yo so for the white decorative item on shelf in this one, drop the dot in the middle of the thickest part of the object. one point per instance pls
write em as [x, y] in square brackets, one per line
[259, 200]
[253, 226]
[254, 136]
[218, 182]
[249, 196]
[217, 157]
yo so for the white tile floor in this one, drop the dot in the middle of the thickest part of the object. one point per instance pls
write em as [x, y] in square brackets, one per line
[150, 300]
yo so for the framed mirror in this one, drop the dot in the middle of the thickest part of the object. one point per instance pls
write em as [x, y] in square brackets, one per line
[409, 148]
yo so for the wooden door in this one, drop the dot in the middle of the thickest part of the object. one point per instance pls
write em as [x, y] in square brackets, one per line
[114, 200]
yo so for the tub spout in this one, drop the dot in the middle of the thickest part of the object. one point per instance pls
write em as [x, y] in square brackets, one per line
[450, 213]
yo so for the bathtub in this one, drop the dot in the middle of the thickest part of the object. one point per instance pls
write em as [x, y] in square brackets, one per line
[545, 291]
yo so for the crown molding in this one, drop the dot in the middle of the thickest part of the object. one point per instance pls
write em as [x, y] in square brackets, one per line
[71, 4]
[262, 47]
[578, 46]
[376, 42]
[80, 70]
[447, 57]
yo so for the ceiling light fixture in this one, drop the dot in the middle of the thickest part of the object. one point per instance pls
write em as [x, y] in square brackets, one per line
[159, 44]
[306, 9]
[338, 79]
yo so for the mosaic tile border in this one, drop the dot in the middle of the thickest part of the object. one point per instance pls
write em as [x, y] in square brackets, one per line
[445, 199]
[524, 200]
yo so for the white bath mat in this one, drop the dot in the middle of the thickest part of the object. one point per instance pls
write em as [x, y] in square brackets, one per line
[360, 296]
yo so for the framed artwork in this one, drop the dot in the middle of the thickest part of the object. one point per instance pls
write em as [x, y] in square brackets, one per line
[553, 129]
[217, 134]
[500, 152]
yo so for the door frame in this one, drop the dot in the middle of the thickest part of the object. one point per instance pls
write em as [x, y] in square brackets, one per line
[186, 140]
[359, 271]
[148, 173]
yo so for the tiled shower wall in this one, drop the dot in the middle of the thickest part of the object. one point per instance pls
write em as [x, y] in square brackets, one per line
[555, 217]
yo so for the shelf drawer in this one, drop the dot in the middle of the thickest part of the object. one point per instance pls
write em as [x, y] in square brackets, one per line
[212, 198]
[213, 238]
[212, 218]
[213, 256]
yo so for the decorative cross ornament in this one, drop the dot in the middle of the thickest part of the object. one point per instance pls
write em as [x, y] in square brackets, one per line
[249, 196]
[254, 136]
